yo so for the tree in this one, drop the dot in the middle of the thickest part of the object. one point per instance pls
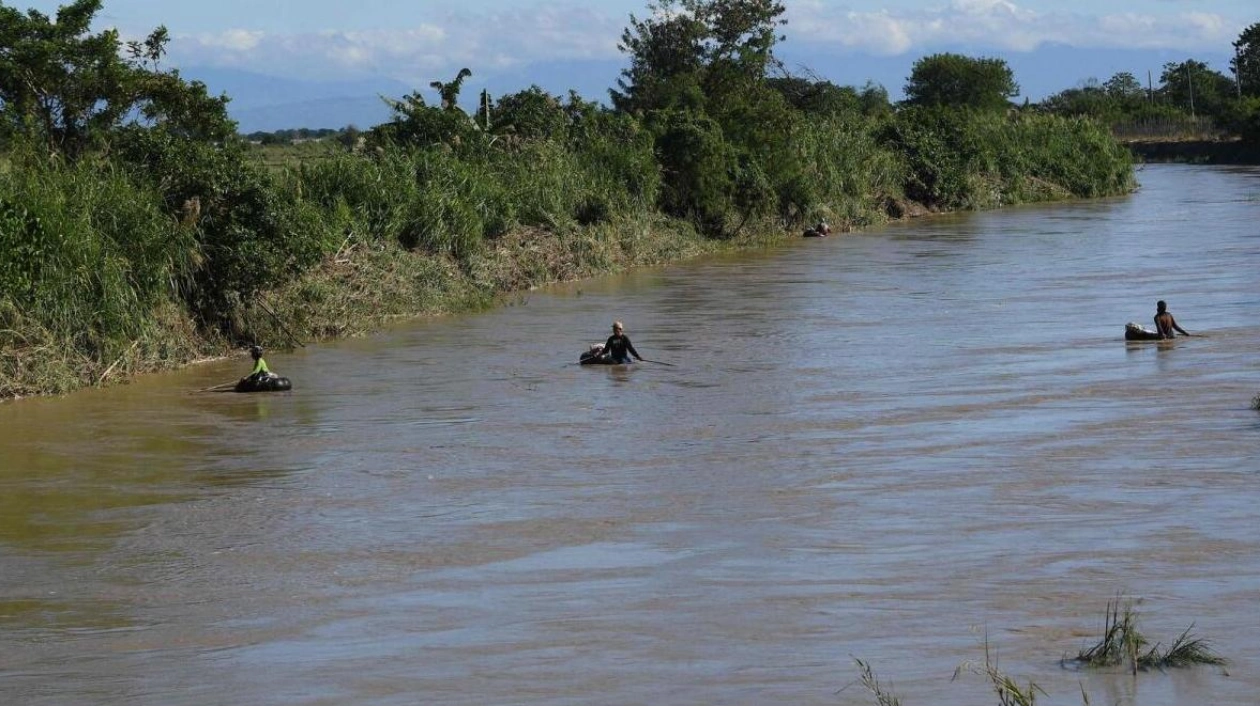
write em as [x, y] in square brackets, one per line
[873, 99]
[532, 114]
[961, 81]
[1195, 87]
[1246, 61]
[713, 47]
[817, 96]
[68, 88]
[417, 124]
[449, 91]
[1124, 86]
[697, 76]
[1087, 99]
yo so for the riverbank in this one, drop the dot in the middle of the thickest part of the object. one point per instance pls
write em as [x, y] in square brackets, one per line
[117, 272]
[365, 285]
[1224, 152]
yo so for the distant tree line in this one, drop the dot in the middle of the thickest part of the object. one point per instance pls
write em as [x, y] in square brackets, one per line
[1189, 92]
[289, 136]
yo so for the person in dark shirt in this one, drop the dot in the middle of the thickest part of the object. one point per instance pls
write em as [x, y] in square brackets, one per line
[618, 347]
[1164, 322]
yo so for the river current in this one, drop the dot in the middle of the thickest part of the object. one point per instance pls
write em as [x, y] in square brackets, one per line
[892, 446]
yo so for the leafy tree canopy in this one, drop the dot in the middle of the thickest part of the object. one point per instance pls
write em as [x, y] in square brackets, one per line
[417, 124]
[530, 114]
[68, 88]
[817, 96]
[1246, 61]
[716, 47]
[961, 81]
[1195, 87]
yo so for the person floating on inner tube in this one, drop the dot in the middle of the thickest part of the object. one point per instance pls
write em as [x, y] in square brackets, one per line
[1164, 322]
[260, 372]
[618, 347]
[822, 230]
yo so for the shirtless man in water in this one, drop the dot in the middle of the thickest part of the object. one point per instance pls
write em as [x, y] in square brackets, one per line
[1164, 322]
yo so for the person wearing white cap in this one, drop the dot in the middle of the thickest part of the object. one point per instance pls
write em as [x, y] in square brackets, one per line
[618, 347]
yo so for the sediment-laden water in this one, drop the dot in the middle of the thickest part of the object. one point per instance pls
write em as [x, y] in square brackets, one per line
[888, 446]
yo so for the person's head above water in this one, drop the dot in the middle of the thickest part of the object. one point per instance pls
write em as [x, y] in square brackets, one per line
[1161, 306]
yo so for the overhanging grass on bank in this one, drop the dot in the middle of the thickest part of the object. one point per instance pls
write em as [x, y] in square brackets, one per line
[116, 269]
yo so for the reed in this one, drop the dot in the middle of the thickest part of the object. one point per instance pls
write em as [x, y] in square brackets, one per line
[883, 696]
[845, 174]
[89, 257]
[1186, 651]
[1123, 644]
[1008, 690]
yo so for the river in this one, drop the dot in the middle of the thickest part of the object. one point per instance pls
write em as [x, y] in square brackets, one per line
[889, 446]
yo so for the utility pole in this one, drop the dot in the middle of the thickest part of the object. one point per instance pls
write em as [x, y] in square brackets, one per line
[1190, 85]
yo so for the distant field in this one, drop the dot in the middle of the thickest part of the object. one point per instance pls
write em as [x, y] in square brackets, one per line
[279, 157]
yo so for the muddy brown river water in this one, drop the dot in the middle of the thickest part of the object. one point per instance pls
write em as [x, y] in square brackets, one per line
[886, 446]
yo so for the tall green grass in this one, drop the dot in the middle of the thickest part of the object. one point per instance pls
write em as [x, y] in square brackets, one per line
[846, 173]
[104, 255]
[89, 256]
[958, 159]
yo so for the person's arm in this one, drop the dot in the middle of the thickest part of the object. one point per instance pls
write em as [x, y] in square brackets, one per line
[630, 348]
[1173, 321]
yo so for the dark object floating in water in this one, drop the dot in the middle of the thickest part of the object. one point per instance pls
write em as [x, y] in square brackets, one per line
[1137, 332]
[822, 230]
[263, 385]
[595, 356]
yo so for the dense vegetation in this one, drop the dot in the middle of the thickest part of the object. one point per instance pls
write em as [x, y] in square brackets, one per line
[140, 230]
[1191, 100]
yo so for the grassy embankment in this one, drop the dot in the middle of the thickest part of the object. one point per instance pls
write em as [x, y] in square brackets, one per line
[110, 271]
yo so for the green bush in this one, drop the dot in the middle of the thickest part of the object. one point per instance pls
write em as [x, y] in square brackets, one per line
[698, 166]
[960, 159]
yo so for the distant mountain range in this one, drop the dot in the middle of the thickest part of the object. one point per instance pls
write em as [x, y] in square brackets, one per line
[269, 103]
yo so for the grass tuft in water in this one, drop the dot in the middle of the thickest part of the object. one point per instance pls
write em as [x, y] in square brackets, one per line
[1008, 690]
[883, 696]
[1122, 643]
[1186, 651]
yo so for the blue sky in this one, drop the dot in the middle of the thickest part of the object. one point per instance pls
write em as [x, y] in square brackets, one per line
[416, 40]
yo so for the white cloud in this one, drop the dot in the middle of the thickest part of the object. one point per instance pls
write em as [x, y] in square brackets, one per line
[444, 41]
[233, 40]
[416, 54]
[1002, 25]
